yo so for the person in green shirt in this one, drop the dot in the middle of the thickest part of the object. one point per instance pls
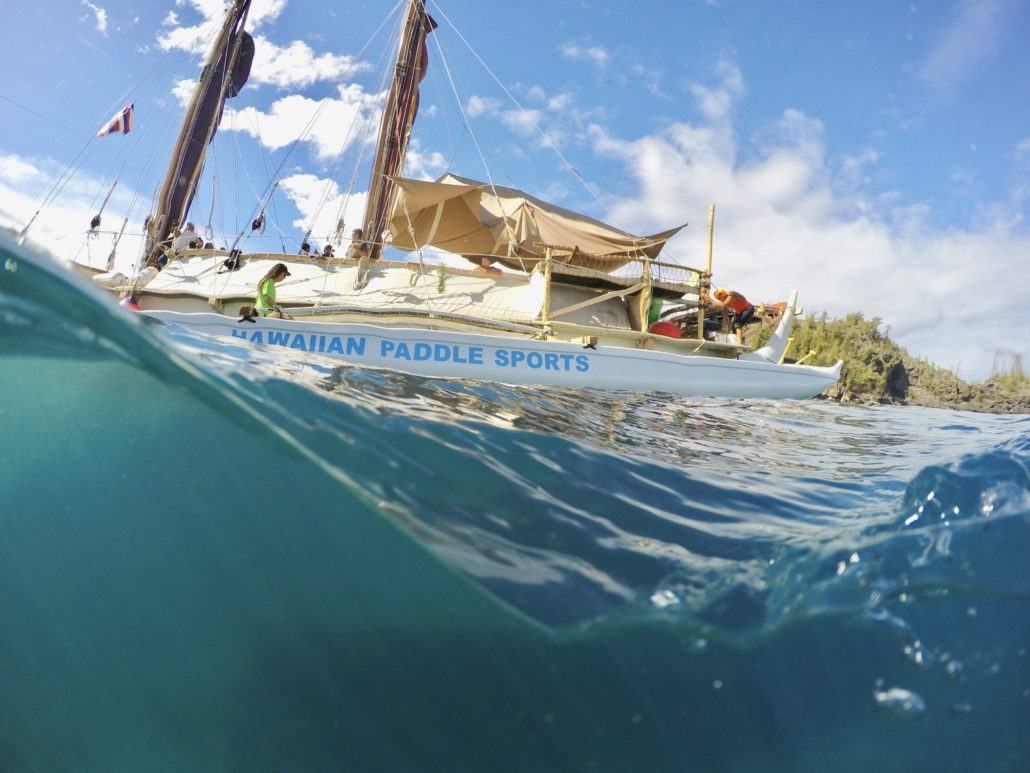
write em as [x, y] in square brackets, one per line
[654, 311]
[265, 301]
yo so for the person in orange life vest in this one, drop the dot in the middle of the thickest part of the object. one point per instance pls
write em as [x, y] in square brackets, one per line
[130, 300]
[736, 309]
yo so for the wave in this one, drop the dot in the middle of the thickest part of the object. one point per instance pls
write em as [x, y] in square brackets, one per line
[217, 555]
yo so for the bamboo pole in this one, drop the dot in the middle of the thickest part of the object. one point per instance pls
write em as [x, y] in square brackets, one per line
[645, 295]
[545, 310]
[706, 279]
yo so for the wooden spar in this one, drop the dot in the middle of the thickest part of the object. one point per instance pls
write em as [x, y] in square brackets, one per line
[592, 301]
[705, 283]
[398, 118]
[545, 308]
[645, 294]
[231, 33]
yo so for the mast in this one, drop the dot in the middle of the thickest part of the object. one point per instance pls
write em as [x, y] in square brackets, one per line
[224, 74]
[398, 118]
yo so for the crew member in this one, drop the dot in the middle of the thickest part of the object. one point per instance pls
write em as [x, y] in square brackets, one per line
[264, 303]
[358, 246]
[654, 311]
[185, 239]
[486, 267]
[130, 300]
[736, 309]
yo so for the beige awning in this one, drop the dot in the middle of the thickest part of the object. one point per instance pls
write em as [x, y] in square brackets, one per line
[474, 219]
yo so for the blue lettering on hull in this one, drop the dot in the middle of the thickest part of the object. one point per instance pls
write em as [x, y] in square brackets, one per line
[391, 349]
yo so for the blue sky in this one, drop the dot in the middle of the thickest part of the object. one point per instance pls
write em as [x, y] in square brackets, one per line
[874, 154]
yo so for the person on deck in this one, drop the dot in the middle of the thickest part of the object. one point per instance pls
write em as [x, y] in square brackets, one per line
[305, 249]
[130, 300]
[358, 246]
[654, 311]
[736, 309]
[185, 239]
[486, 267]
[264, 303]
[327, 251]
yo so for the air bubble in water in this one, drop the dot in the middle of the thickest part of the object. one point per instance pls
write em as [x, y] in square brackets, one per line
[664, 599]
[900, 701]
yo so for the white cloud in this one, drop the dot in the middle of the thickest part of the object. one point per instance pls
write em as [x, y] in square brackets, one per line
[99, 16]
[477, 106]
[262, 11]
[522, 122]
[559, 101]
[182, 90]
[195, 38]
[969, 41]
[536, 93]
[715, 103]
[61, 226]
[423, 164]
[319, 201]
[787, 218]
[328, 127]
[16, 169]
[852, 171]
[298, 65]
[290, 66]
[593, 54]
[651, 78]
[528, 123]
[1023, 150]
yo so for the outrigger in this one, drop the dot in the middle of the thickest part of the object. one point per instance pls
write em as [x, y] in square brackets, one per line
[572, 308]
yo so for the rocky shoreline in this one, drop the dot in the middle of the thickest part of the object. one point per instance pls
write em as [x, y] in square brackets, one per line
[988, 397]
[879, 371]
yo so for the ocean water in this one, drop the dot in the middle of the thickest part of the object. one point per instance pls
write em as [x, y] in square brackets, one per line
[221, 558]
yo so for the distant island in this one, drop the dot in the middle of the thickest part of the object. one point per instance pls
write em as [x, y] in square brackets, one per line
[878, 370]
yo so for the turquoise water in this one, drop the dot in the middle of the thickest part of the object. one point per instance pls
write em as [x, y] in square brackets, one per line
[221, 558]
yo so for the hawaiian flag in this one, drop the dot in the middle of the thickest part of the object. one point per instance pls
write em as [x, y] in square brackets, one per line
[122, 122]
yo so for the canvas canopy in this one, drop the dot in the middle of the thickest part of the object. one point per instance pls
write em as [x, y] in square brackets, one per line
[477, 219]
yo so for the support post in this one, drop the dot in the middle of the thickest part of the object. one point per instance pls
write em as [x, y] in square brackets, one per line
[645, 294]
[545, 310]
[705, 281]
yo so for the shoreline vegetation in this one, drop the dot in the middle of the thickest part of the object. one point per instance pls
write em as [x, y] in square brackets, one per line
[878, 370]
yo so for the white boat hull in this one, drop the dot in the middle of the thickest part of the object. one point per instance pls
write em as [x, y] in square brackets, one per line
[515, 360]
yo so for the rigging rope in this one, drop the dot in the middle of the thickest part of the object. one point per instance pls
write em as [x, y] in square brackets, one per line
[51, 191]
[543, 135]
[512, 241]
[264, 162]
[321, 105]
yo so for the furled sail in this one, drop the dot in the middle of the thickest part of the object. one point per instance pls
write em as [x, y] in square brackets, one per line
[475, 219]
[401, 108]
[224, 75]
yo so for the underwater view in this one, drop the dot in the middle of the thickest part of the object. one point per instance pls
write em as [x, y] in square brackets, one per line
[220, 557]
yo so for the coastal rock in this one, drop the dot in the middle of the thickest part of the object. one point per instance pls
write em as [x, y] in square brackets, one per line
[897, 381]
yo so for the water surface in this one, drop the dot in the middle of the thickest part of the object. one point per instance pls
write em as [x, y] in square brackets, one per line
[214, 557]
